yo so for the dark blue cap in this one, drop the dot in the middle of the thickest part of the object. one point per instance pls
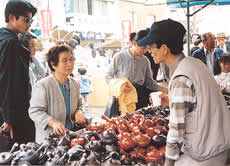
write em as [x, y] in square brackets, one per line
[167, 31]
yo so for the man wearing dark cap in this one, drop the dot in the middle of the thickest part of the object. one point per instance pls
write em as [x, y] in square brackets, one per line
[15, 87]
[199, 118]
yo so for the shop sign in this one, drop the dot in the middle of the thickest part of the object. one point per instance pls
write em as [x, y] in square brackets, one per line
[46, 21]
[126, 30]
[92, 35]
[86, 23]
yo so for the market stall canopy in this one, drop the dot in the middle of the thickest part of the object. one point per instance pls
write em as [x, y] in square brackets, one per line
[183, 3]
[62, 32]
[112, 44]
[61, 35]
[187, 4]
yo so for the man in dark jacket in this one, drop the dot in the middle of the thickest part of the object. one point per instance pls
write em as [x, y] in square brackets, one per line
[15, 88]
[208, 54]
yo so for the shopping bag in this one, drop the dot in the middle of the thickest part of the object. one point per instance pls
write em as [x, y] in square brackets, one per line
[4, 141]
[112, 108]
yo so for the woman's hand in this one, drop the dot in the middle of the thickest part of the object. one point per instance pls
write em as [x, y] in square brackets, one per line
[58, 127]
[223, 88]
[6, 127]
[80, 117]
[164, 100]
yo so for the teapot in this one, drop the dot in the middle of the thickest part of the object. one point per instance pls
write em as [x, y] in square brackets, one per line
[124, 135]
[133, 126]
[77, 141]
[110, 126]
[110, 148]
[56, 160]
[94, 146]
[127, 143]
[96, 126]
[112, 159]
[93, 158]
[153, 155]
[147, 123]
[7, 157]
[126, 160]
[28, 156]
[49, 141]
[109, 137]
[75, 153]
[159, 140]
[138, 153]
[150, 131]
[142, 140]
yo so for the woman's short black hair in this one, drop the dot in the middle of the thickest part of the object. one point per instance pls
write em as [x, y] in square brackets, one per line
[54, 52]
[224, 57]
[132, 36]
[19, 8]
[82, 70]
[25, 38]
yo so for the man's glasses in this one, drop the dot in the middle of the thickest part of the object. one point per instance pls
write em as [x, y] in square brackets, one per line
[28, 20]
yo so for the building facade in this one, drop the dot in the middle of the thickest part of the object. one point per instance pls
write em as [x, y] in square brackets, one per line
[94, 19]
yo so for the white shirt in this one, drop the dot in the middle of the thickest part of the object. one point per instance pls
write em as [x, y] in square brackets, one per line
[209, 60]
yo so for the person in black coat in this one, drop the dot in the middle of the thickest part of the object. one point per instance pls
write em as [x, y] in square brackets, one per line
[15, 89]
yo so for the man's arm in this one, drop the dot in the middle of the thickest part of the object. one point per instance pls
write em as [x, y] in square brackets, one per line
[7, 81]
[181, 98]
[109, 75]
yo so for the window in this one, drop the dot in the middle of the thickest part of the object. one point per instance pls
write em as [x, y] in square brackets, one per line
[133, 18]
[90, 7]
[101, 8]
[81, 6]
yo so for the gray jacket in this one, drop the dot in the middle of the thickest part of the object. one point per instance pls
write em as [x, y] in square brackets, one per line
[207, 125]
[137, 70]
[47, 102]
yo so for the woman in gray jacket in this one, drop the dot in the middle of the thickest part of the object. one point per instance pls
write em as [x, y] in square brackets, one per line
[56, 104]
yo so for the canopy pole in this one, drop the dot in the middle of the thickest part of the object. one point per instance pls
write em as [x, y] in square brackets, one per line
[188, 28]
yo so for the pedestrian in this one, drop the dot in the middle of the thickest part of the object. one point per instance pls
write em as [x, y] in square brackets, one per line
[199, 118]
[56, 104]
[37, 71]
[221, 41]
[15, 86]
[84, 86]
[208, 54]
[223, 77]
[134, 66]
